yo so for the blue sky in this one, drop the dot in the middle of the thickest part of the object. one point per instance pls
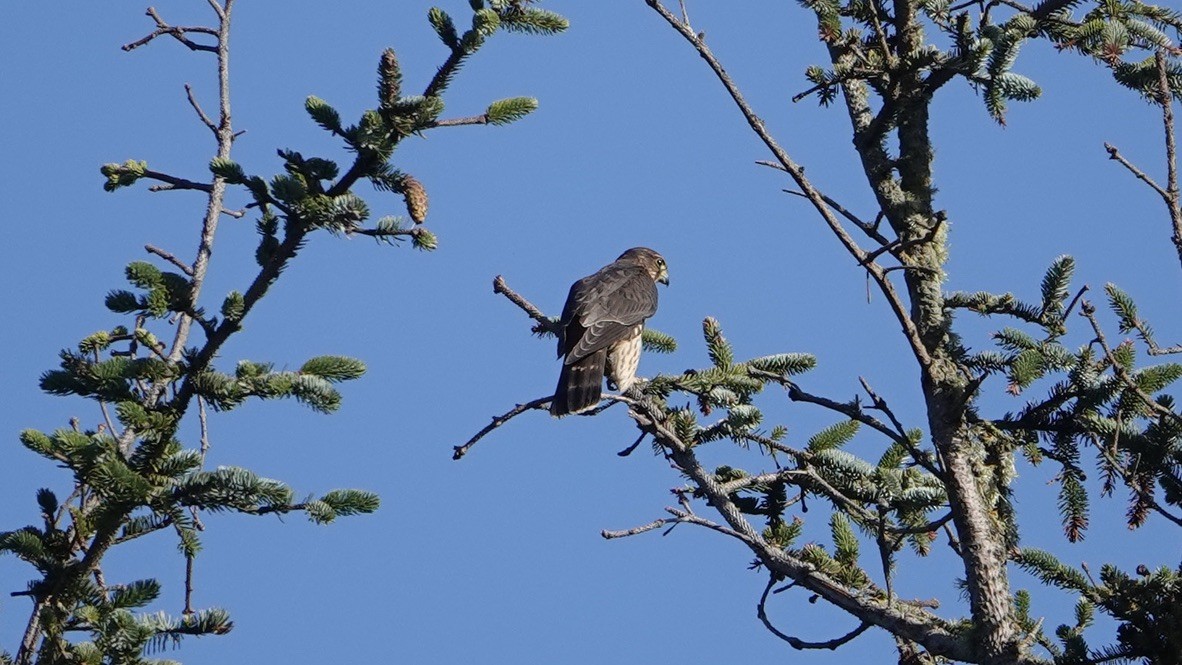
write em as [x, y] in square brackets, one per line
[497, 558]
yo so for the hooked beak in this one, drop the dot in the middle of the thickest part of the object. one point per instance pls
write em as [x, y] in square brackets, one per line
[664, 278]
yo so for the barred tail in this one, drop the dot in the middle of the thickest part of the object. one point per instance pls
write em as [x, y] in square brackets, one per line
[579, 385]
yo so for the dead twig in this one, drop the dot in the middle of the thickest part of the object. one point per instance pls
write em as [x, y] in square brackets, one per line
[178, 32]
[795, 642]
[545, 324]
[171, 258]
[458, 452]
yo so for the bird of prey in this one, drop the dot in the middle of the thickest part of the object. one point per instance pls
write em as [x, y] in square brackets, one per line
[600, 330]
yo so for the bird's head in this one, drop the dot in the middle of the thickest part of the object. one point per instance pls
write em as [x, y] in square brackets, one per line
[652, 261]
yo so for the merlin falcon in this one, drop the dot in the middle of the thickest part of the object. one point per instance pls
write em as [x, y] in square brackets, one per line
[601, 325]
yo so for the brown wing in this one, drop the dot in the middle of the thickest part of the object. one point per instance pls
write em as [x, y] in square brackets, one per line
[605, 308]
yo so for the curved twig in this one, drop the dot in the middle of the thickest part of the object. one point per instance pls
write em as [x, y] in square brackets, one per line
[795, 642]
[459, 451]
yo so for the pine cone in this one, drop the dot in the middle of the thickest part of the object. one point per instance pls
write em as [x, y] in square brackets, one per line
[416, 198]
[389, 79]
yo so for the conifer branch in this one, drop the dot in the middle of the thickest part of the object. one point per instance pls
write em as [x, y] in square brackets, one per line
[1088, 311]
[458, 452]
[1143, 495]
[651, 526]
[794, 642]
[855, 411]
[1166, 100]
[870, 229]
[1114, 154]
[898, 307]
[896, 247]
[880, 404]
[171, 258]
[188, 584]
[178, 32]
[688, 517]
[481, 119]
[197, 107]
[545, 323]
[443, 76]
[918, 626]
[173, 182]
[106, 533]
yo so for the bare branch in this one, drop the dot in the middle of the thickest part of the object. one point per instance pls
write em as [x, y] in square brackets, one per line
[870, 229]
[188, 585]
[898, 307]
[173, 182]
[497, 421]
[544, 322]
[481, 119]
[178, 32]
[896, 247]
[797, 643]
[167, 256]
[687, 517]
[1166, 99]
[217, 9]
[651, 526]
[200, 112]
[1113, 153]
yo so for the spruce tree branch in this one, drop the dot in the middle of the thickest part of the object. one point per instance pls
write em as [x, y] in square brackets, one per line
[106, 533]
[896, 247]
[167, 256]
[854, 411]
[481, 119]
[1147, 497]
[1166, 100]
[1088, 311]
[164, 524]
[890, 57]
[1114, 154]
[545, 323]
[32, 634]
[188, 585]
[918, 626]
[364, 160]
[178, 32]
[879, 404]
[380, 233]
[810, 480]
[655, 524]
[876, 131]
[445, 72]
[197, 108]
[796, 172]
[870, 229]
[458, 452]
[203, 419]
[791, 476]
[217, 9]
[173, 182]
[688, 517]
[794, 642]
